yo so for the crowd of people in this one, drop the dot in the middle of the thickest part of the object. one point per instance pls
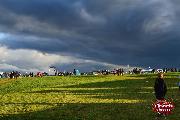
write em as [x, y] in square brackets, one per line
[16, 74]
[11, 75]
[171, 70]
[75, 72]
[119, 71]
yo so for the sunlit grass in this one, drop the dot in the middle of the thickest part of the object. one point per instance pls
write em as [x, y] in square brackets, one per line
[86, 97]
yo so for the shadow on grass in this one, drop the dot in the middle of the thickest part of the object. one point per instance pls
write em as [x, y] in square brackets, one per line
[117, 89]
[104, 93]
[96, 111]
[131, 83]
[91, 111]
[144, 75]
[33, 103]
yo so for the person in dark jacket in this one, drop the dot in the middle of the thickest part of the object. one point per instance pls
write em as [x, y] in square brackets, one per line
[160, 87]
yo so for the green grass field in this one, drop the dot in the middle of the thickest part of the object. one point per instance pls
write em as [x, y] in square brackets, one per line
[126, 97]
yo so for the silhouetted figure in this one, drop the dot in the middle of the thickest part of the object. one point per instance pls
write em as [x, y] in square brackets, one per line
[160, 87]
[31, 74]
[74, 72]
[11, 75]
[16, 74]
[118, 72]
[121, 71]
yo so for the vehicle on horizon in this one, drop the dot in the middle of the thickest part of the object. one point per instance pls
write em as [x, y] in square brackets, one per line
[159, 70]
[145, 71]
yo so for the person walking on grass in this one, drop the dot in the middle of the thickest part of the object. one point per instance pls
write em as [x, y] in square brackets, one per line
[160, 87]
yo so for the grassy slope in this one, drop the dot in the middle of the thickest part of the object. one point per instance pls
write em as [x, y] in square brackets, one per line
[88, 97]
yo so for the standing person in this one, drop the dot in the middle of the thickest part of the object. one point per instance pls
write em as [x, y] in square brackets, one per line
[118, 72]
[74, 72]
[160, 87]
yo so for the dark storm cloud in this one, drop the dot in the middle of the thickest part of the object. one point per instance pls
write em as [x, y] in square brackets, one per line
[117, 32]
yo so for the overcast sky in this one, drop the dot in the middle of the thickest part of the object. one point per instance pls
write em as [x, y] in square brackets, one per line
[88, 34]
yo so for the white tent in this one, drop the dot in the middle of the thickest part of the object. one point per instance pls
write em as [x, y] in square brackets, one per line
[52, 71]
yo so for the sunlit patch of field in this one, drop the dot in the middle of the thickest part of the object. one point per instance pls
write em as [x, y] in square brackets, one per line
[84, 97]
[4, 81]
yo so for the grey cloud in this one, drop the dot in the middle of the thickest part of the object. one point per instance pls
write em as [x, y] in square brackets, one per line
[118, 32]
